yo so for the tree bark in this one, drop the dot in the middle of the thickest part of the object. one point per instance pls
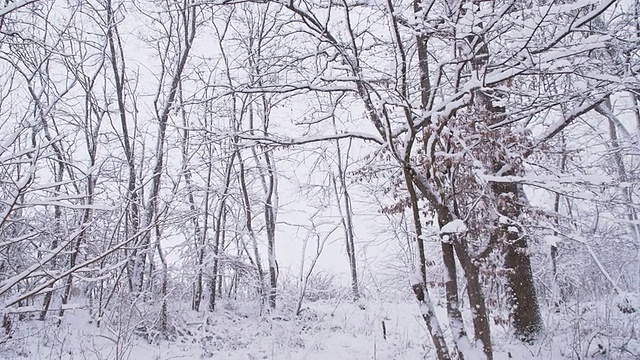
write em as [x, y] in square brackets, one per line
[418, 285]
[116, 59]
[525, 310]
[342, 197]
[252, 236]
[270, 211]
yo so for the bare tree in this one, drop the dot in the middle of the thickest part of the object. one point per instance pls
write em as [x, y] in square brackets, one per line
[447, 119]
[118, 68]
[346, 213]
[181, 32]
[11, 6]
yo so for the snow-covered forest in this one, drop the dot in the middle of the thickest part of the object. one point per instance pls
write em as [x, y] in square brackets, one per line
[320, 179]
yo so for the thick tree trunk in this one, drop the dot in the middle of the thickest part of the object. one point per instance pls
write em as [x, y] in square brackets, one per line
[525, 310]
[524, 303]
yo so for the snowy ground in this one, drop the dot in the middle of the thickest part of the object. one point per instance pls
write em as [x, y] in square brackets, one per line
[331, 330]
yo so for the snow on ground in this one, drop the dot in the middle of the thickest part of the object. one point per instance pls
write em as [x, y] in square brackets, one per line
[325, 330]
[332, 330]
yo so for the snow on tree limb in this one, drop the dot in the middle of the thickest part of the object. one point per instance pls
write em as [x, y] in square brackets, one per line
[454, 227]
[283, 141]
[15, 6]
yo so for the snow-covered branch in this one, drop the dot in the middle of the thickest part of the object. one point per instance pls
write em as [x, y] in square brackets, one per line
[15, 5]
[283, 141]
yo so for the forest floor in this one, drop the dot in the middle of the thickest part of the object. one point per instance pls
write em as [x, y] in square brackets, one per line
[332, 330]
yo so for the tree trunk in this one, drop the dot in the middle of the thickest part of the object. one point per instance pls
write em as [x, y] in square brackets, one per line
[59, 169]
[220, 218]
[252, 236]
[199, 234]
[525, 310]
[418, 284]
[187, 17]
[270, 211]
[524, 303]
[482, 329]
[458, 242]
[557, 296]
[116, 59]
[342, 197]
[456, 322]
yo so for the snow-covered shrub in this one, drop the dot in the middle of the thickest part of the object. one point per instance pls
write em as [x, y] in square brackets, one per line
[322, 286]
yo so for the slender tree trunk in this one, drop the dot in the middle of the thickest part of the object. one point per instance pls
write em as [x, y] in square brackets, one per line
[477, 304]
[616, 148]
[456, 321]
[636, 112]
[200, 234]
[59, 169]
[419, 285]
[456, 245]
[217, 250]
[164, 287]
[46, 303]
[343, 199]
[481, 326]
[482, 329]
[627, 191]
[187, 17]
[91, 130]
[557, 295]
[220, 223]
[200, 242]
[116, 59]
[270, 211]
[303, 276]
[268, 175]
[252, 236]
[86, 219]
